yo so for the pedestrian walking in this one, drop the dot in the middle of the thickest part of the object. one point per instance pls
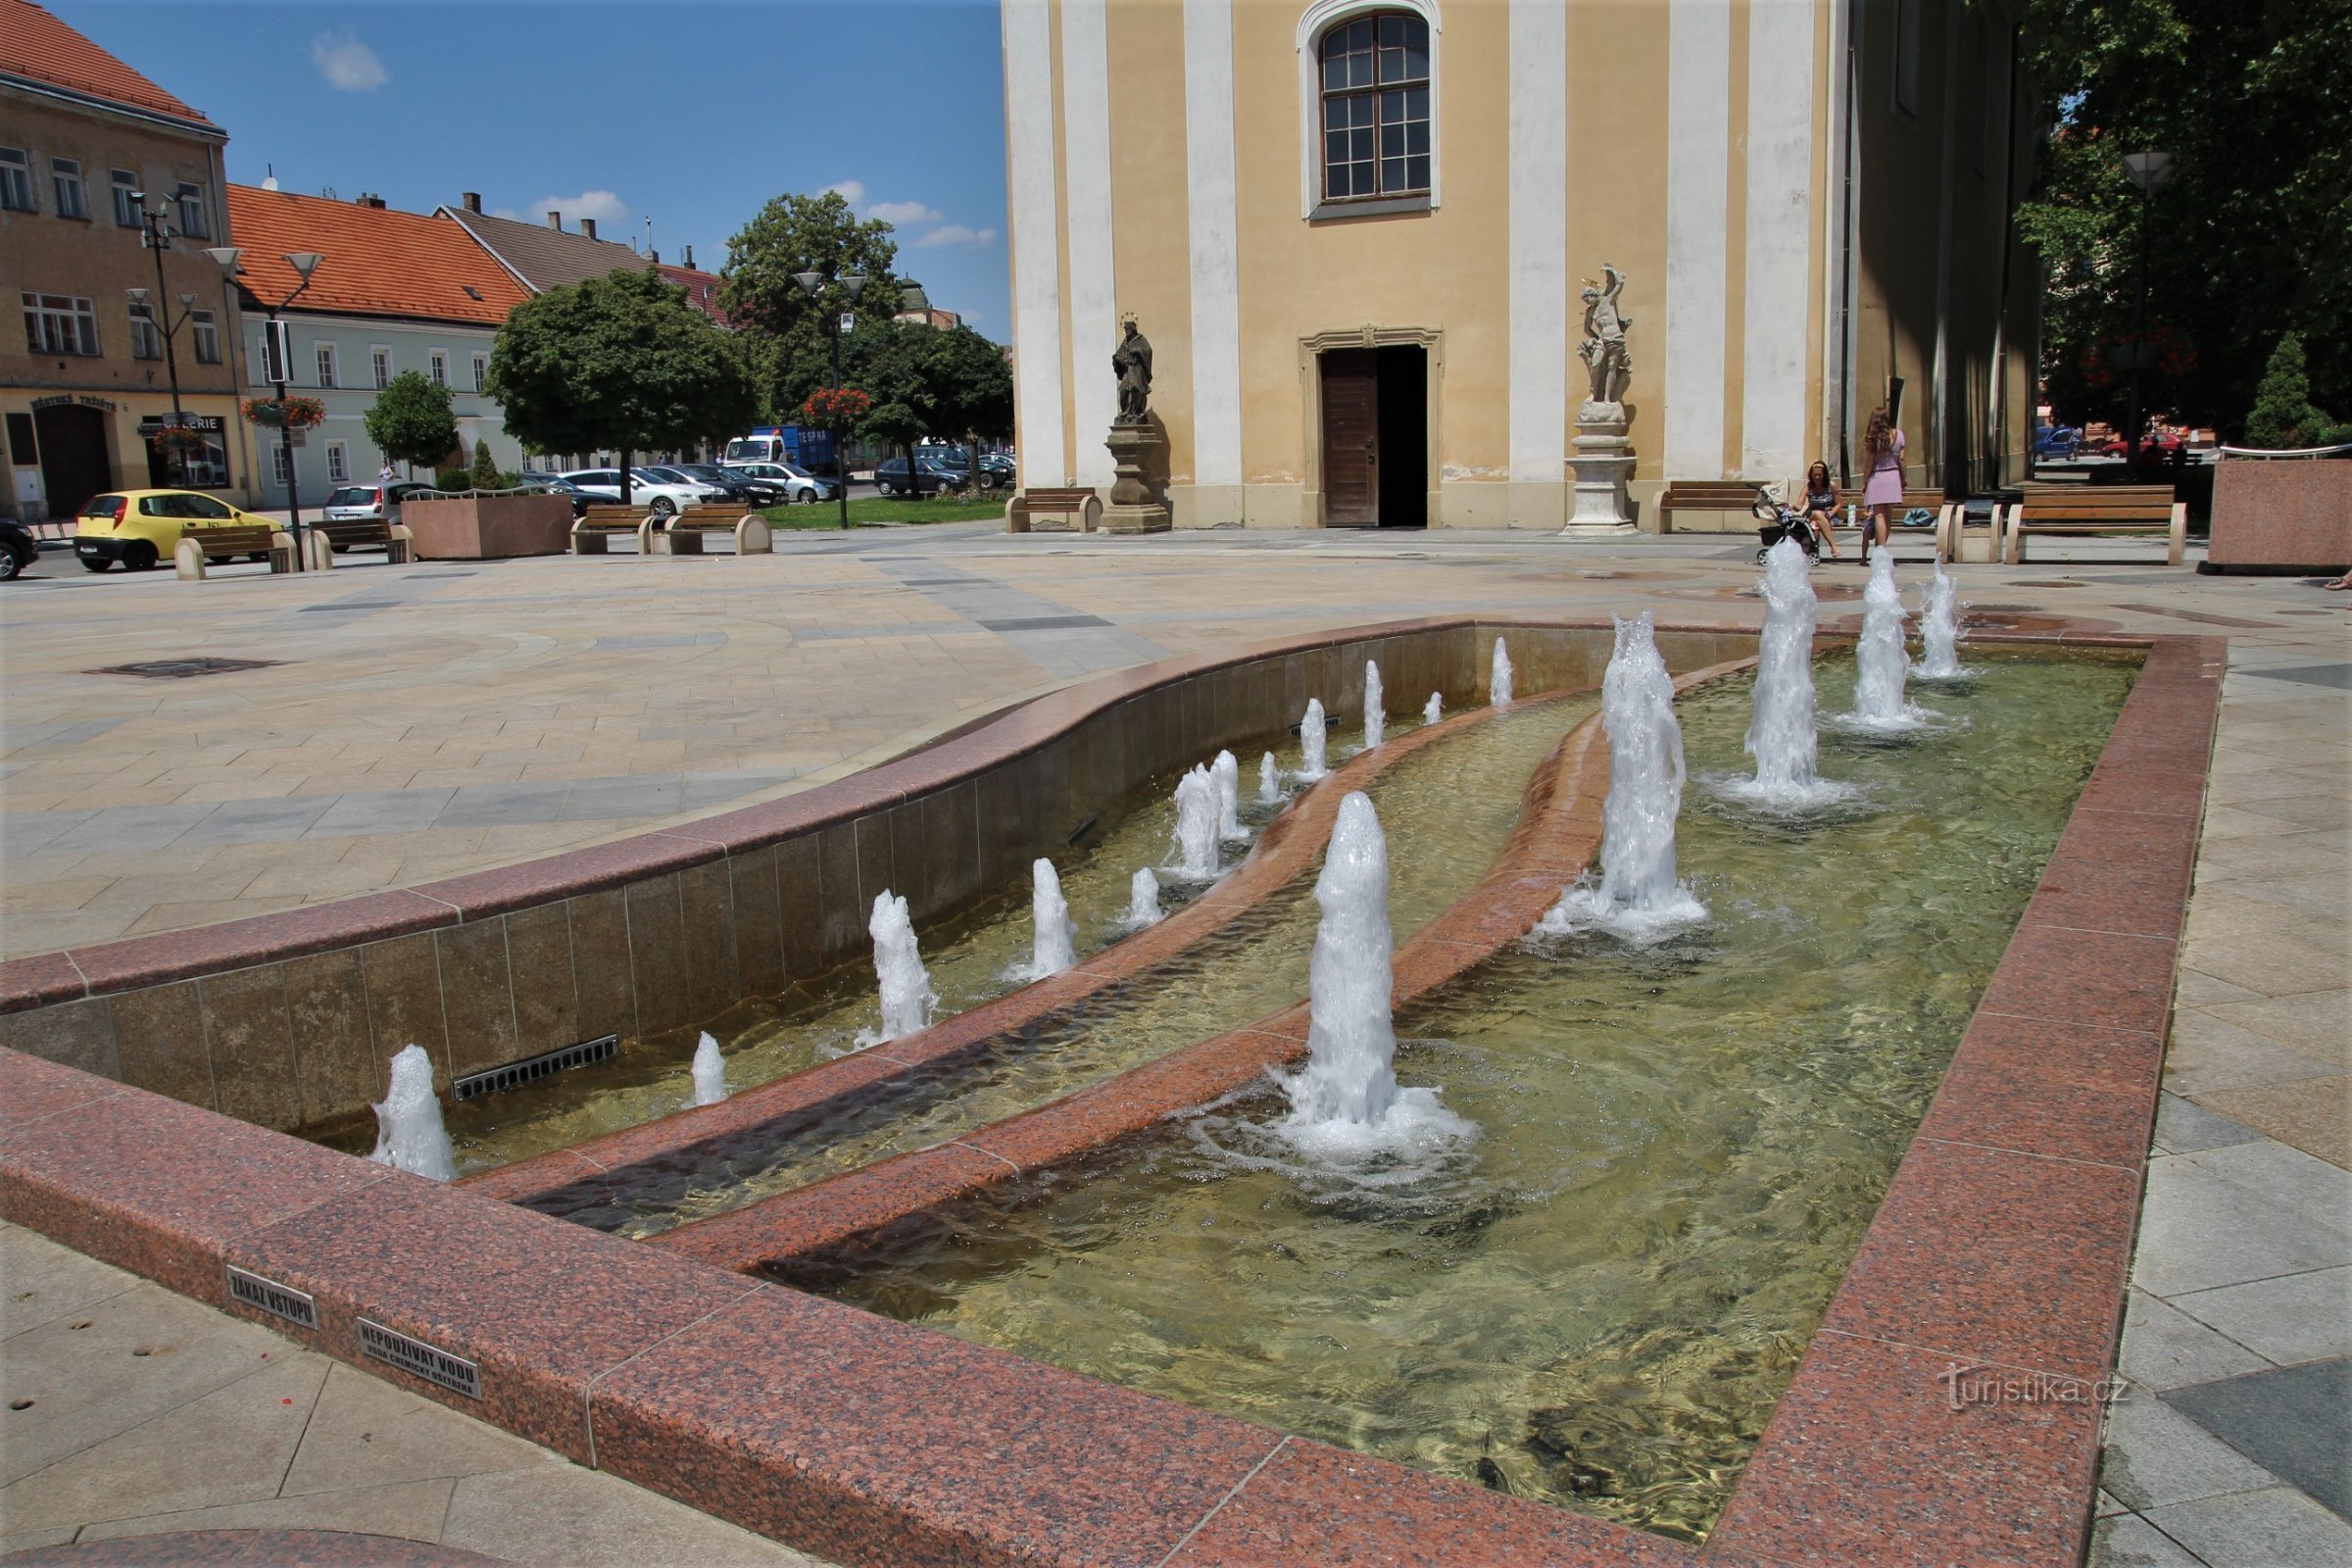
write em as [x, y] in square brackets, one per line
[1882, 446]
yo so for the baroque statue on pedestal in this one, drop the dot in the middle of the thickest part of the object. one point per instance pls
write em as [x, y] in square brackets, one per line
[1131, 362]
[1606, 358]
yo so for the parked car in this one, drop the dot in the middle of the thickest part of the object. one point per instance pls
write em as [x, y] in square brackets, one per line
[2057, 441]
[140, 527]
[741, 488]
[660, 497]
[2155, 445]
[17, 549]
[929, 479]
[368, 503]
[956, 463]
[557, 484]
[798, 484]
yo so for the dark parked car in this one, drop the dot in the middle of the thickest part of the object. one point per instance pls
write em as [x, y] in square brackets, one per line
[929, 479]
[954, 464]
[742, 487]
[557, 484]
[17, 549]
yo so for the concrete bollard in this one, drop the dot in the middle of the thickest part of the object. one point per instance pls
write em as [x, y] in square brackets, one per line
[318, 551]
[187, 561]
[754, 537]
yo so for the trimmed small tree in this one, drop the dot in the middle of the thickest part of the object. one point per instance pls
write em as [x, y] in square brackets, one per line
[485, 472]
[2282, 416]
[620, 362]
[413, 420]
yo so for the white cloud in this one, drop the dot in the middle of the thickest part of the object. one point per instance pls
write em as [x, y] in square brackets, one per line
[955, 234]
[900, 214]
[348, 65]
[852, 191]
[602, 205]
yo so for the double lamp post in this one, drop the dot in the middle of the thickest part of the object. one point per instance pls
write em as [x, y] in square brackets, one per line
[157, 234]
[812, 284]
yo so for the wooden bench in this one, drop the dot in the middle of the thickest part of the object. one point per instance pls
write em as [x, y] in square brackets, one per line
[1073, 510]
[199, 547]
[2080, 509]
[1708, 495]
[682, 534]
[591, 531]
[363, 533]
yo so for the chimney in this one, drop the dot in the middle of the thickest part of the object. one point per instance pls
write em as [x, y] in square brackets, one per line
[588, 227]
[472, 200]
[554, 220]
[689, 255]
[372, 199]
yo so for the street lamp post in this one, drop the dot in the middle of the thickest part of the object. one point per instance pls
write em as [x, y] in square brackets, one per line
[157, 233]
[226, 258]
[812, 284]
[2148, 171]
[275, 351]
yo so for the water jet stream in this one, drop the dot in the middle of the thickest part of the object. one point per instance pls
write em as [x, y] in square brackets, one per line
[410, 1135]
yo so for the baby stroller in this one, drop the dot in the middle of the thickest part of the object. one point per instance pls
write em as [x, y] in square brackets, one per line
[1782, 523]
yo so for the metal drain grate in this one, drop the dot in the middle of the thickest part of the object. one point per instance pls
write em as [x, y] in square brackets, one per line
[427, 1361]
[267, 1295]
[183, 668]
[515, 1074]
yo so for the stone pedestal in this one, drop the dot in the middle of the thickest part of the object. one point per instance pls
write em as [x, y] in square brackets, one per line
[1603, 462]
[1134, 509]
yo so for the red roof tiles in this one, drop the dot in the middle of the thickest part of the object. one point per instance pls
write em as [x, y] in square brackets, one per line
[379, 262]
[36, 46]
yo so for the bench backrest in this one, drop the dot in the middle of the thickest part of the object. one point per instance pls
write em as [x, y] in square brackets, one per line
[243, 539]
[1057, 500]
[611, 515]
[1706, 492]
[1932, 499]
[2097, 509]
[710, 515]
[357, 531]
[2143, 493]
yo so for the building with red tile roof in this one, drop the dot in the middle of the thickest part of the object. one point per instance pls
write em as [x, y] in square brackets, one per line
[91, 154]
[392, 291]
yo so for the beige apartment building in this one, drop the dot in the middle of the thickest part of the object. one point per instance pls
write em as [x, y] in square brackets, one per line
[85, 387]
[1357, 232]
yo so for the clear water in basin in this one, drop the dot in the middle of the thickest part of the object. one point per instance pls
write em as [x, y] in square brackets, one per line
[1598, 1301]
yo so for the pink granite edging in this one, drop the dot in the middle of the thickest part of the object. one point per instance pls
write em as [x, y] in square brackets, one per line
[874, 1442]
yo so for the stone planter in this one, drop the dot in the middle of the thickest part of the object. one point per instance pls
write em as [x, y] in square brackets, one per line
[487, 527]
[2282, 514]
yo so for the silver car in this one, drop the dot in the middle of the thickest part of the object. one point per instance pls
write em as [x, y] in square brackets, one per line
[368, 503]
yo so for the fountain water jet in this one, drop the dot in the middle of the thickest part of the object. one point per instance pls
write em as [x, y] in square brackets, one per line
[1435, 709]
[1269, 781]
[1143, 901]
[1782, 735]
[709, 1071]
[1940, 630]
[1880, 660]
[1498, 677]
[1346, 1100]
[1376, 712]
[1311, 736]
[1637, 896]
[906, 995]
[1196, 835]
[1227, 774]
[409, 1134]
[1050, 942]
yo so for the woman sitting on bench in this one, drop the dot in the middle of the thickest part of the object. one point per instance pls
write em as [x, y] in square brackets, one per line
[1821, 506]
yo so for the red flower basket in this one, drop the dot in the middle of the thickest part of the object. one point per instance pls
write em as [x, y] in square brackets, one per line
[833, 408]
[292, 414]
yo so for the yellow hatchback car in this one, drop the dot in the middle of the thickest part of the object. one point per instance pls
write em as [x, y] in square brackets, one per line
[141, 527]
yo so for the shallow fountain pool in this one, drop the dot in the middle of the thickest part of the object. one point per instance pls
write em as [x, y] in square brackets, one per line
[1600, 1300]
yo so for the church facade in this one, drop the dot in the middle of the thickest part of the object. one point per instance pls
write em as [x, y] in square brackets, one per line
[1358, 232]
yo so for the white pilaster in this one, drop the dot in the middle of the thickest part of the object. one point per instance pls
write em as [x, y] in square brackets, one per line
[1215, 262]
[1034, 217]
[1086, 194]
[1538, 241]
[1699, 75]
[1778, 294]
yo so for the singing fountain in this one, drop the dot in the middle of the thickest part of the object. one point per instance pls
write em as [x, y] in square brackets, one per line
[906, 985]
[709, 1071]
[1269, 781]
[1637, 895]
[1143, 901]
[1880, 662]
[1498, 677]
[1781, 735]
[1434, 708]
[1312, 736]
[410, 1135]
[1052, 931]
[1939, 631]
[1195, 832]
[1375, 718]
[1227, 773]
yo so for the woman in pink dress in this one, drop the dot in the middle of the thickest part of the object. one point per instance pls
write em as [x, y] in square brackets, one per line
[1883, 491]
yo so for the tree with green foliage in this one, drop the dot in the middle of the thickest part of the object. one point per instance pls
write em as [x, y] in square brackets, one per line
[485, 472]
[2247, 238]
[413, 420]
[972, 388]
[786, 326]
[892, 361]
[2283, 416]
[620, 362]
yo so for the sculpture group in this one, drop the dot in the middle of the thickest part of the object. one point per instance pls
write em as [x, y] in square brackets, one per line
[1604, 459]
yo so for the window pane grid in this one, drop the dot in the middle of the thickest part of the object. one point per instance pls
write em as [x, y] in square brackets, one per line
[1376, 120]
[16, 180]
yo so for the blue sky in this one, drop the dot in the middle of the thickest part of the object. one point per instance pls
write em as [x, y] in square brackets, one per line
[693, 115]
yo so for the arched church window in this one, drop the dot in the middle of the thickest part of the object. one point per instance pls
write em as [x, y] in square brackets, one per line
[1376, 106]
